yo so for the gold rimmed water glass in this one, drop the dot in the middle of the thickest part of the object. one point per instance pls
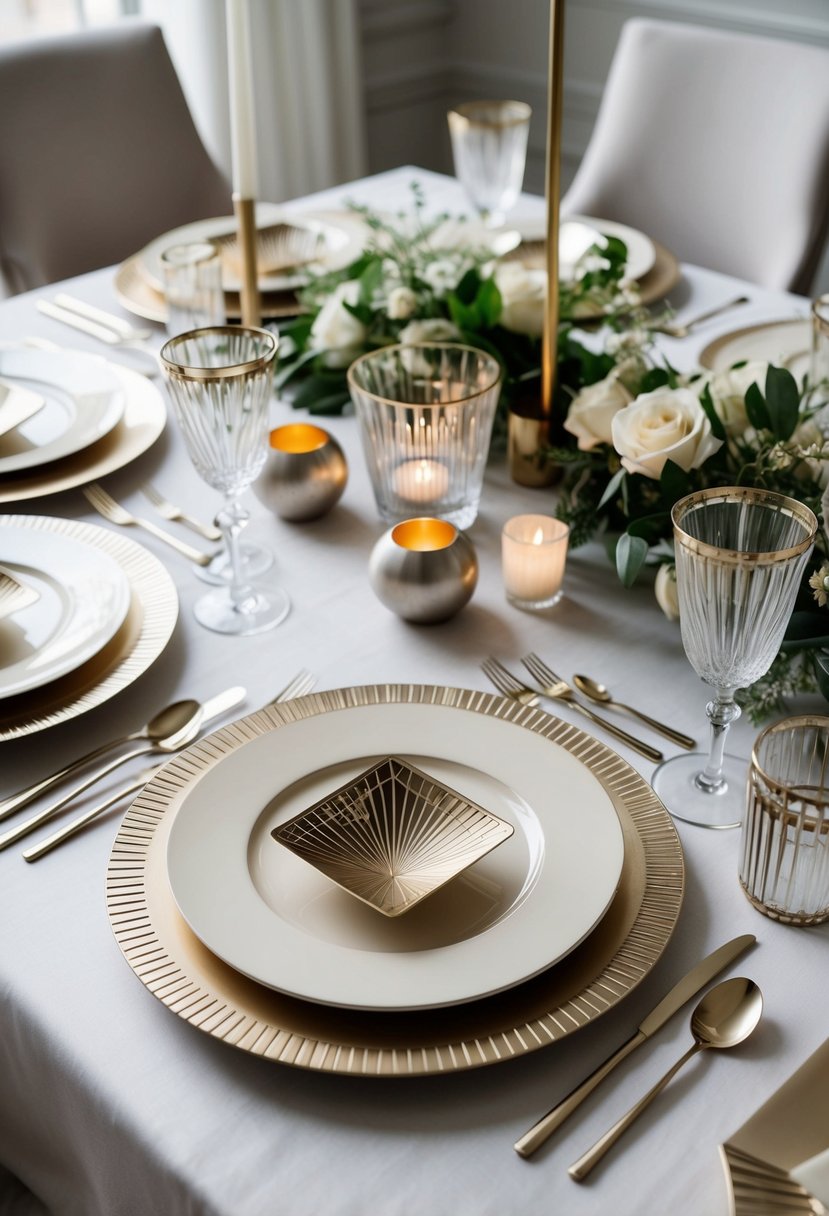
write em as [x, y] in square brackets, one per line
[221, 381]
[740, 557]
[489, 148]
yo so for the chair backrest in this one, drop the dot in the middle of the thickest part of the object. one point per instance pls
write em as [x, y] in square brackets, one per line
[717, 145]
[98, 153]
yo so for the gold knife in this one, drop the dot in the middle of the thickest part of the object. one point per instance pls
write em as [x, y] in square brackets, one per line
[688, 986]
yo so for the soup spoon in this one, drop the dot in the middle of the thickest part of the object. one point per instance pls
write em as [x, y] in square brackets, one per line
[725, 1016]
[602, 695]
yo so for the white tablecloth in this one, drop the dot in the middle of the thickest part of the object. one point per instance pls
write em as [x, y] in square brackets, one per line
[111, 1105]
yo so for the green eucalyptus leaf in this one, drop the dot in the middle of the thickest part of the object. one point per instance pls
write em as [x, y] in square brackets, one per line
[807, 631]
[758, 414]
[650, 528]
[782, 401]
[707, 403]
[674, 483]
[611, 488]
[631, 552]
[489, 303]
[656, 377]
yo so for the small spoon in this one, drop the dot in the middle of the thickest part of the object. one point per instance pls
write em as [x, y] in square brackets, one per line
[183, 722]
[165, 723]
[599, 693]
[725, 1016]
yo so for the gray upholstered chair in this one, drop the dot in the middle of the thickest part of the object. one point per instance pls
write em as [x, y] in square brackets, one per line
[98, 153]
[716, 144]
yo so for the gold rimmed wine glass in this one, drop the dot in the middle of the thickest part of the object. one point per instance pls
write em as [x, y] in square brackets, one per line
[740, 557]
[489, 148]
[221, 379]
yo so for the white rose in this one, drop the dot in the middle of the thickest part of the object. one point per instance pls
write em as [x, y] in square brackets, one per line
[593, 410]
[434, 329]
[665, 591]
[443, 275]
[728, 390]
[523, 295]
[335, 330]
[667, 424]
[401, 304]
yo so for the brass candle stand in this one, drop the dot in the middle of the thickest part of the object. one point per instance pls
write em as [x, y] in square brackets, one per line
[245, 211]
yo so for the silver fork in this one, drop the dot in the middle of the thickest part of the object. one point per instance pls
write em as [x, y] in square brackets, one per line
[174, 514]
[106, 505]
[303, 682]
[516, 690]
[682, 331]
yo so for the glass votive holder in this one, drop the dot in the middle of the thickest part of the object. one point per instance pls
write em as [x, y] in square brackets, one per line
[193, 287]
[819, 363]
[425, 412]
[533, 556]
[424, 570]
[784, 852]
[305, 473]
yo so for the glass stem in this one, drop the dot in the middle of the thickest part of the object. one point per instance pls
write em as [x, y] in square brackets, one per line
[231, 519]
[722, 711]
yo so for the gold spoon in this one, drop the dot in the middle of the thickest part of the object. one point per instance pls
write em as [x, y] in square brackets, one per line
[725, 1016]
[601, 694]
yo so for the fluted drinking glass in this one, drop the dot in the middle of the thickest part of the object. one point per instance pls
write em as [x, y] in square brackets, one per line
[489, 148]
[740, 557]
[425, 414]
[221, 380]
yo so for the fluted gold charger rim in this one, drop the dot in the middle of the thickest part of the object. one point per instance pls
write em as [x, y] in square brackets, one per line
[198, 987]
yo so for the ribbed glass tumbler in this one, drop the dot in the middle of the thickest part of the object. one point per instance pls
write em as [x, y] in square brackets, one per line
[221, 380]
[784, 856]
[426, 414]
[740, 557]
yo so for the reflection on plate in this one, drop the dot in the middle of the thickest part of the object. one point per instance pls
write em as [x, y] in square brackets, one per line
[341, 236]
[142, 422]
[83, 401]
[138, 643]
[199, 988]
[784, 343]
[519, 910]
[83, 598]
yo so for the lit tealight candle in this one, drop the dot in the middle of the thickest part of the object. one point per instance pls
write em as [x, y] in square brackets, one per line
[421, 481]
[533, 554]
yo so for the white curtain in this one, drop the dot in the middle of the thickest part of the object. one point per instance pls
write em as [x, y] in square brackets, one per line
[310, 115]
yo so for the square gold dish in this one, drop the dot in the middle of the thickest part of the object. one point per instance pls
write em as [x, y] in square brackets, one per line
[393, 836]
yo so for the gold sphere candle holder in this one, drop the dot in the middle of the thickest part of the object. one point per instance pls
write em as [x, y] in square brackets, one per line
[424, 570]
[305, 473]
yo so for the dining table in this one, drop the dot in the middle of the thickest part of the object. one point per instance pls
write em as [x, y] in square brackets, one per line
[112, 1106]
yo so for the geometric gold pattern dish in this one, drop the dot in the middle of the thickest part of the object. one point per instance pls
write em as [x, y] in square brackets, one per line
[212, 997]
[393, 835]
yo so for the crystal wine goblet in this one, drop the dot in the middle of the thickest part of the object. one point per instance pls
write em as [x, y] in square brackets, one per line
[220, 380]
[740, 556]
[489, 147]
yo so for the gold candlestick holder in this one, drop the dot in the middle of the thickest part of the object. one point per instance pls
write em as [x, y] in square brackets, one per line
[245, 211]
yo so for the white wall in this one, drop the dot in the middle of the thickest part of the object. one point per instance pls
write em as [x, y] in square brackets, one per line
[421, 56]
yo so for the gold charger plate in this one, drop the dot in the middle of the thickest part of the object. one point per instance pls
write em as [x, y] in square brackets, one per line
[790, 1128]
[140, 297]
[143, 420]
[195, 985]
[146, 631]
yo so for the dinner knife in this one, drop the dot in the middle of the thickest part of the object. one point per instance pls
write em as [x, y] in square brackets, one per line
[688, 986]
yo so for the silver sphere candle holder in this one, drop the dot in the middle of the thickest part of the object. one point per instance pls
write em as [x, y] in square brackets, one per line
[424, 570]
[305, 473]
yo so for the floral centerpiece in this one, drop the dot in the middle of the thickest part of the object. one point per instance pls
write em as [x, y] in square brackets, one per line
[637, 434]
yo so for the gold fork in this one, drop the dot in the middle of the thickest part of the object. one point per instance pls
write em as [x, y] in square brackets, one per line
[513, 688]
[106, 505]
[168, 510]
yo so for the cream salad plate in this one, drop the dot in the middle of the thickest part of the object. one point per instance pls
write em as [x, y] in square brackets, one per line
[82, 402]
[279, 921]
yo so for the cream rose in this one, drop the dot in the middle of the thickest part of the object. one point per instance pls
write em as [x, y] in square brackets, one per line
[665, 591]
[335, 330]
[401, 303]
[728, 391]
[523, 294]
[434, 329]
[593, 410]
[667, 424]
[443, 275]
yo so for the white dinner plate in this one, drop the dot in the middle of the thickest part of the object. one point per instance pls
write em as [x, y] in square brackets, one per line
[83, 402]
[785, 343]
[83, 598]
[343, 236]
[578, 232]
[279, 921]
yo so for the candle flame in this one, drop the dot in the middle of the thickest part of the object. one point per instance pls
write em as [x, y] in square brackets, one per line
[538, 536]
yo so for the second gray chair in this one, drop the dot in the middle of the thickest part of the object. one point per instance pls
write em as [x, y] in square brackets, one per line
[717, 145]
[98, 153]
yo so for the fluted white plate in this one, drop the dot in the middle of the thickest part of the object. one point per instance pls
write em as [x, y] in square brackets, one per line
[82, 602]
[282, 923]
